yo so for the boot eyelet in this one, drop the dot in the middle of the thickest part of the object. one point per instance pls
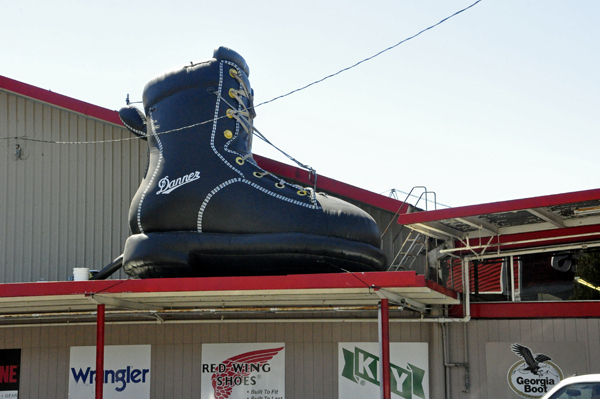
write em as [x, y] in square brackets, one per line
[279, 185]
[258, 174]
[233, 73]
[228, 134]
[231, 93]
[239, 160]
[230, 113]
[302, 192]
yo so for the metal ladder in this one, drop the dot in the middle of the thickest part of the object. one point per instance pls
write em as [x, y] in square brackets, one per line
[415, 241]
[411, 248]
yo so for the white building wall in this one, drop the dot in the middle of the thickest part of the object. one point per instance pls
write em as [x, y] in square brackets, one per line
[62, 205]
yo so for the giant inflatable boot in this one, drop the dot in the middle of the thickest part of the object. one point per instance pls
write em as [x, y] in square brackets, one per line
[204, 207]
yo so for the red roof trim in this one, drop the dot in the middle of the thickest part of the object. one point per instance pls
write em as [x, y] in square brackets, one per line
[253, 283]
[530, 310]
[439, 288]
[498, 207]
[59, 100]
[331, 185]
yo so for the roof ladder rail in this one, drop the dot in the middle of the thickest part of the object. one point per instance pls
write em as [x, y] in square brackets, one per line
[411, 248]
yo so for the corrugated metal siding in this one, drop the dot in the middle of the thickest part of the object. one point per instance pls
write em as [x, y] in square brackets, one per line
[311, 352]
[586, 331]
[62, 206]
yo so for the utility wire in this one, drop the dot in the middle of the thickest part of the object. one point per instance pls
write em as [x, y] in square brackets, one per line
[273, 99]
[371, 57]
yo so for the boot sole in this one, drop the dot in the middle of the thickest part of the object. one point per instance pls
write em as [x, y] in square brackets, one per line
[191, 254]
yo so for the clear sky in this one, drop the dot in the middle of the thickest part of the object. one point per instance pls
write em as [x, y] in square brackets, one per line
[500, 102]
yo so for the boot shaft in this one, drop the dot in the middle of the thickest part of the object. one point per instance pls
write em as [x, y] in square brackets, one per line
[192, 135]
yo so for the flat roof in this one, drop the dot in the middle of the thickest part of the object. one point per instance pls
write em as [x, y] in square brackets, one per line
[523, 223]
[44, 301]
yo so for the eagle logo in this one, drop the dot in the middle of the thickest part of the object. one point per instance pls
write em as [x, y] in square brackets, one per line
[240, 366]
[533, 362]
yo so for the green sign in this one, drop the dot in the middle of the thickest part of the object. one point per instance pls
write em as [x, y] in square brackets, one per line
[360, 365]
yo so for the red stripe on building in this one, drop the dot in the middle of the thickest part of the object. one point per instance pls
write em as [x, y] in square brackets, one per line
[59, 100]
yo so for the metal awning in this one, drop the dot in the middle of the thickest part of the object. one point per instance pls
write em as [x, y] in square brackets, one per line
[203, 297]
[525, 223]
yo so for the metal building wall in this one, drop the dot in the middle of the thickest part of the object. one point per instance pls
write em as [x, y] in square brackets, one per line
[585, 331]
[310, 354]
[62, 206]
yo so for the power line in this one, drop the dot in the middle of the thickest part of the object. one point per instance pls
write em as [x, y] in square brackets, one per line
[268, 101]
[371, 57]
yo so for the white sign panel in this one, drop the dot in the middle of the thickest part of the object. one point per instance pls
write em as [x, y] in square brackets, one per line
[359, 370]
[126, 372]
[243, 371]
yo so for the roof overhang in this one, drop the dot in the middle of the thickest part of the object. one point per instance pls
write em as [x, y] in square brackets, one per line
[553, 220]
[210, 296]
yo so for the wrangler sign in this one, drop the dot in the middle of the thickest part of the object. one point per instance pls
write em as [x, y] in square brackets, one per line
[360, 377]
[126, 371]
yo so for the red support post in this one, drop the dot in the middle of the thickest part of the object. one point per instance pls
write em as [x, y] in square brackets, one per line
[100, 352]
[384, 343]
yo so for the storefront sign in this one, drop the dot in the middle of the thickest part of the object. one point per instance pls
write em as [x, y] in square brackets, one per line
[126, 372]
[533, 375]
[360, 370]
[243, 371]
[531, 368]
[10, 369]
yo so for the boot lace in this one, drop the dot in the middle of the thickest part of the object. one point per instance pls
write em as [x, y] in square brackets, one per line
[245, 117]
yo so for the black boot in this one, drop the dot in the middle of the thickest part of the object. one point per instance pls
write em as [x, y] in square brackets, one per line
[205, 208]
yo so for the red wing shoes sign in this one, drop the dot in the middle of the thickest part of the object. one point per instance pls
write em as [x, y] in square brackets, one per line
[533, 374]
[243, 371]
[360, 377]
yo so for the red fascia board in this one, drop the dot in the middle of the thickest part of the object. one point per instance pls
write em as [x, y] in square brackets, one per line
[439, 288]
[499, 207]
[59, 100]
[330, 185]
[253, 283]
[529, 310]
[545, 237]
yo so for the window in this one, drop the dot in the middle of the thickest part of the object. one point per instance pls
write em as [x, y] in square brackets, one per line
[582, 390]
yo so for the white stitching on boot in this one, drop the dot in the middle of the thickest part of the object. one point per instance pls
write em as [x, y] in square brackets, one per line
[208, 197]
[215, 123]
[160, 157]
[311, 205]
[253, 185]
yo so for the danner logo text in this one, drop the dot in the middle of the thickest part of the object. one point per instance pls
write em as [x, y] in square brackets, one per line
[166, 186]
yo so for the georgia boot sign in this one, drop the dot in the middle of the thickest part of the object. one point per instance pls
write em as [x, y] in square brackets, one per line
[243, 371]
[126, 372]
[10, 370]
[359, 370]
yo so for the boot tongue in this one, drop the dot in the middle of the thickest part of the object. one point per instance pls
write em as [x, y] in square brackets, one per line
[225, 53]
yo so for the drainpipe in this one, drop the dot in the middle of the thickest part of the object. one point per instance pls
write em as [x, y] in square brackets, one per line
[465, 319]
[448, 365]
[100, 351]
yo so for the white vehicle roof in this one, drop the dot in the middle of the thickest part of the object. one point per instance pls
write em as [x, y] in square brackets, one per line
[573, 380]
